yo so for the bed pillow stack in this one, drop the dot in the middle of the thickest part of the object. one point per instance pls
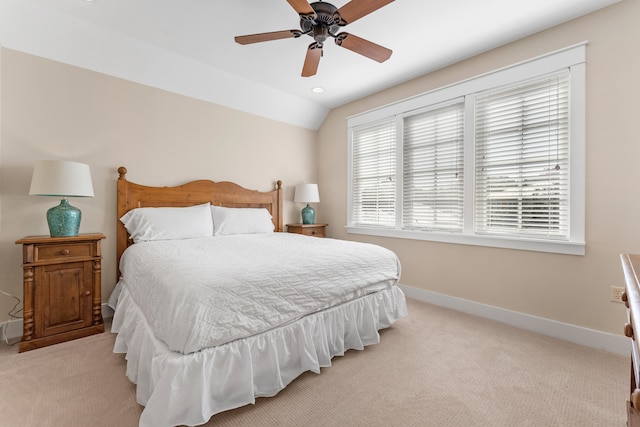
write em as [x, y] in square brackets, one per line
[168, 223]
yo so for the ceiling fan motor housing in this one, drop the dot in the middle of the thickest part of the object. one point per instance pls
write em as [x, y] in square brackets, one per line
[325, 24]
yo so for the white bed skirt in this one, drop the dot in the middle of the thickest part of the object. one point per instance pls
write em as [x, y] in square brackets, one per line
[188, 389]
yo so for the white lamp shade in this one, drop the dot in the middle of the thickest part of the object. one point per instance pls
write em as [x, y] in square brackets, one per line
[61, 178]
[306, 193]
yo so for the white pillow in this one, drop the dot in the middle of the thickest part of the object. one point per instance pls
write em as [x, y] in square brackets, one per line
[146, 224]
[240, 221]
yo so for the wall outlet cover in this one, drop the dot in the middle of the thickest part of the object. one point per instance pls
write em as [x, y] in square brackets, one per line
[616, 293]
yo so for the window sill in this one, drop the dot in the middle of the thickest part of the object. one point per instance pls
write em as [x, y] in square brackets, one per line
[567, 248]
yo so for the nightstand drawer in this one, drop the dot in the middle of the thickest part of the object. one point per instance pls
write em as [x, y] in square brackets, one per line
[62, 252]
[315, 230]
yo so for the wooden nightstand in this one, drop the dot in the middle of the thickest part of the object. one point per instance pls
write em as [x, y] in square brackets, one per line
[317, 230]
[62, 279]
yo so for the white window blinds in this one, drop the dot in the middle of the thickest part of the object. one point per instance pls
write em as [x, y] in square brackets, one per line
[374, 174]
[522, 160]
[433, 184]
[496, 160]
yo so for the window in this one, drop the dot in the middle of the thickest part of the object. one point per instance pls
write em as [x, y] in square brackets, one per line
[497, 160]
[522, 160]
[374, 174]
[432, 172]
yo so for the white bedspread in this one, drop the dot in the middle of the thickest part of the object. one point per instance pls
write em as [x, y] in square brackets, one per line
[205, 292]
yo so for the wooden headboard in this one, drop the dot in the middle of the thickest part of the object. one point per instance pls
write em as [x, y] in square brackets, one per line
[227, 194]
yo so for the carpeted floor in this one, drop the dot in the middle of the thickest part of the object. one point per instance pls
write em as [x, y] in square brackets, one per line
[436, 367]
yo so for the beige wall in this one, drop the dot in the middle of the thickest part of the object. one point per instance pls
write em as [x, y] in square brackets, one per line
[571, 289]
[52, 110]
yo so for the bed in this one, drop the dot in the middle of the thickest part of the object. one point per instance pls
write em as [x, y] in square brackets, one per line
[211, 316]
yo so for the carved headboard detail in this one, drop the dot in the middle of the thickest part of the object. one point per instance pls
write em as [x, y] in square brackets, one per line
[227, 194]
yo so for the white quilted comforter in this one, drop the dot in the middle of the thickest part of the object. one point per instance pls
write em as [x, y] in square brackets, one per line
[204, 292]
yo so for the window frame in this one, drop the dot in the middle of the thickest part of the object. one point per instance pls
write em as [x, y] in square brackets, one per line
[572, 58]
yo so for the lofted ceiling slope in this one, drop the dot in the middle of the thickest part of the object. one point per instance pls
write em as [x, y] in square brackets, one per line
[188, 47]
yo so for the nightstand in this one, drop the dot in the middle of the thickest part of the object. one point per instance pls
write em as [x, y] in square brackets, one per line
[316, 230]
[62, 279]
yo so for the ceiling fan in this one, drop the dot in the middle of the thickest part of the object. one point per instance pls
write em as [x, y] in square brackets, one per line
[322, 20]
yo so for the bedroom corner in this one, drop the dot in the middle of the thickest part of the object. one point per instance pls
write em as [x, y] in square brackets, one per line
[59, 111]
[533, 283]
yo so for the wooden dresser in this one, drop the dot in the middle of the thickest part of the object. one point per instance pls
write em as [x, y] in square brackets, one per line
[62, 288]
[631, 298]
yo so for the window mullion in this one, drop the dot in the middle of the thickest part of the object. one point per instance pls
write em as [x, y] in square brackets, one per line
[399, 171]
[469, 164]
[577, 112]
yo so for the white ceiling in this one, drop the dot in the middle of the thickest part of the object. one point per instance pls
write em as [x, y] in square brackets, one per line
[187, 46]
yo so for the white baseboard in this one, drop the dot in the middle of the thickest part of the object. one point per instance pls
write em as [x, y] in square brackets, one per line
[576, 334]
[14, 326]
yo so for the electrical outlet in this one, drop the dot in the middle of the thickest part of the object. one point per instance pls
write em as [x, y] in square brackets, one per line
[616, 293]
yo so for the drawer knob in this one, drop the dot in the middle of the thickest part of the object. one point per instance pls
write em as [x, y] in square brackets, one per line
[635, 398]
[313, 231]
[624, 298]
[65, 252]
[87, 293]
[628, 330]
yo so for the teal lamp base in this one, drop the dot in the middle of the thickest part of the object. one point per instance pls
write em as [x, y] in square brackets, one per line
[64, 220]
[308, 215]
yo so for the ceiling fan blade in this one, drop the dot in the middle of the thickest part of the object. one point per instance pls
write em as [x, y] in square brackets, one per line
[363, 47]
[302, 7]
[311, 61]
[356, 9]
[265, 37]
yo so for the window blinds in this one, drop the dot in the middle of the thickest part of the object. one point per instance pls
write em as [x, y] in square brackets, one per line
[433, 185]
[374, 174]
[522, 160]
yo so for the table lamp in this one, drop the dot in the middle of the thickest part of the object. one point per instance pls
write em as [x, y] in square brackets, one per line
[307, 193]
[65, 179]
